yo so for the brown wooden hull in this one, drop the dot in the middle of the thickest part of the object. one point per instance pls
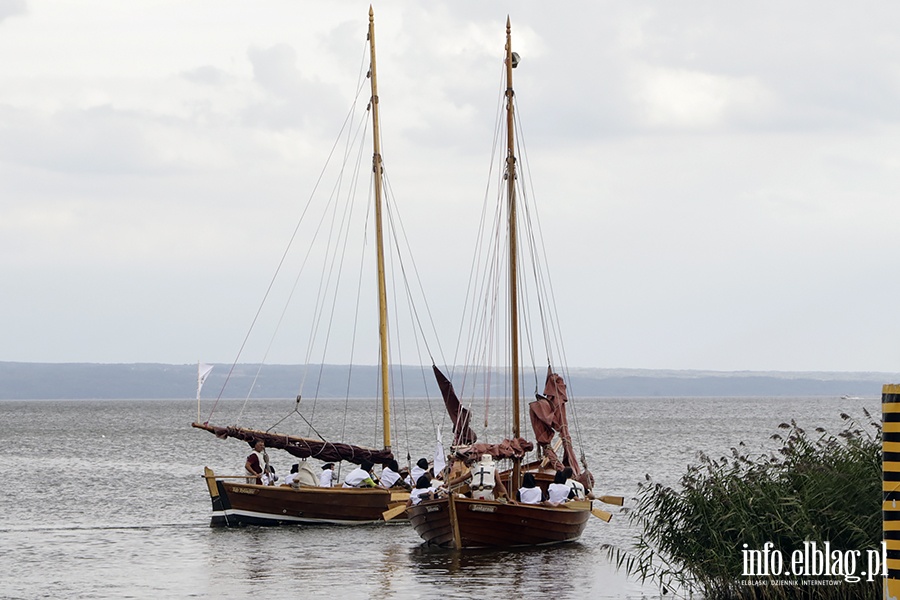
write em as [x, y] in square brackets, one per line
[493, 524]
[236, 504]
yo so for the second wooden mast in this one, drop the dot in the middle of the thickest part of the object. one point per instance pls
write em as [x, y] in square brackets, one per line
[513, 266]
[379, 237]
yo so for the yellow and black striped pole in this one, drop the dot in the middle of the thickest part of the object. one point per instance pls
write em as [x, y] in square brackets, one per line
[890, 465]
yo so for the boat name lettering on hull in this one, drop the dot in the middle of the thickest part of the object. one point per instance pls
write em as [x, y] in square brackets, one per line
[483, 508]
[432, 508]
[241, 490]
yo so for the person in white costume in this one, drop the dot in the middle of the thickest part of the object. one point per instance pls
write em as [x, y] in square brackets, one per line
[361, 476]
[390, 476]
[326, 479]
[577, 487]
[422, 491]
[529, 493]
[269, 477]
[289, 478]
[558, 492]
[421, 468]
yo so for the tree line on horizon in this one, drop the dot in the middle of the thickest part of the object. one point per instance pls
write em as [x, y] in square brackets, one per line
[25, 381]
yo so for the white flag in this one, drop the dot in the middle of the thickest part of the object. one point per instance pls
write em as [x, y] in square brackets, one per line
[203, 371]
[439, 461]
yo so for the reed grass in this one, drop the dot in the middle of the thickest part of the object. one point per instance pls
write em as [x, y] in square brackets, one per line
[811, 487]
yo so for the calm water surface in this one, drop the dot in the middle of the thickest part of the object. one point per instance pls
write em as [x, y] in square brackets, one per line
[104, 499]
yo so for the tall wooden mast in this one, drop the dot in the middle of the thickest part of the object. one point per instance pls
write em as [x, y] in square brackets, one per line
[379, 238]
[513, 281]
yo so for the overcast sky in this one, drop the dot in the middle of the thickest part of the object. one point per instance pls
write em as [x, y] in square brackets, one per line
[719, 181]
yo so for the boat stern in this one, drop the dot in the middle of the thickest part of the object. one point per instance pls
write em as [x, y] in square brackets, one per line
[218, 497]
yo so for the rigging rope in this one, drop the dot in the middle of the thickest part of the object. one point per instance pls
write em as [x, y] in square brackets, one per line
[282, 260]
[488, 254]
[362, 260]
[343, 235]
[540, 258]
[397, 226]
[330, 236]
[478, 335]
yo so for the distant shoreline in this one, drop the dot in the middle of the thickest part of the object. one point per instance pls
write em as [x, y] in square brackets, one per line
[49, 381]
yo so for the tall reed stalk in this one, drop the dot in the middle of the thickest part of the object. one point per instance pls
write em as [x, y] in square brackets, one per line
[819, 487]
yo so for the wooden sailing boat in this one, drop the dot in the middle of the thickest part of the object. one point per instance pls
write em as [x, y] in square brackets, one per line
[458, 521]
[236, 502]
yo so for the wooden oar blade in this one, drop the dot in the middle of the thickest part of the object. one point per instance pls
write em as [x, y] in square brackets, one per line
[601, 514]
[393, 512]
[399, 496]
[615, 500]
[582, 505]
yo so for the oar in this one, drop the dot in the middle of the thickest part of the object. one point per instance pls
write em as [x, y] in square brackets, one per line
[616, 500]
[393, 512]
[597, 512]
[601, 514]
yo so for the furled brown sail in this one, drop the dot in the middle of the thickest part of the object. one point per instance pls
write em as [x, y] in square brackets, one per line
[302, 447]
[508, 448]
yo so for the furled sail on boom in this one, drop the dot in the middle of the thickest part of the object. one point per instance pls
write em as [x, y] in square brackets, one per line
[302, 447]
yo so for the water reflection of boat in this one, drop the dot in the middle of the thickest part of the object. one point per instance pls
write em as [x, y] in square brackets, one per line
[494, 564]
[457, 521]
[236, 501]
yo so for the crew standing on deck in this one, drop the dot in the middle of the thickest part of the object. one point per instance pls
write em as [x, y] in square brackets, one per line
[254, 466]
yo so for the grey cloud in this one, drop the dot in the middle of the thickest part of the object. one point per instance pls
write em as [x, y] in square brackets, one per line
[97, 140]
[207, 75]
[826, 68]
[293, 100]
[275, 69]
